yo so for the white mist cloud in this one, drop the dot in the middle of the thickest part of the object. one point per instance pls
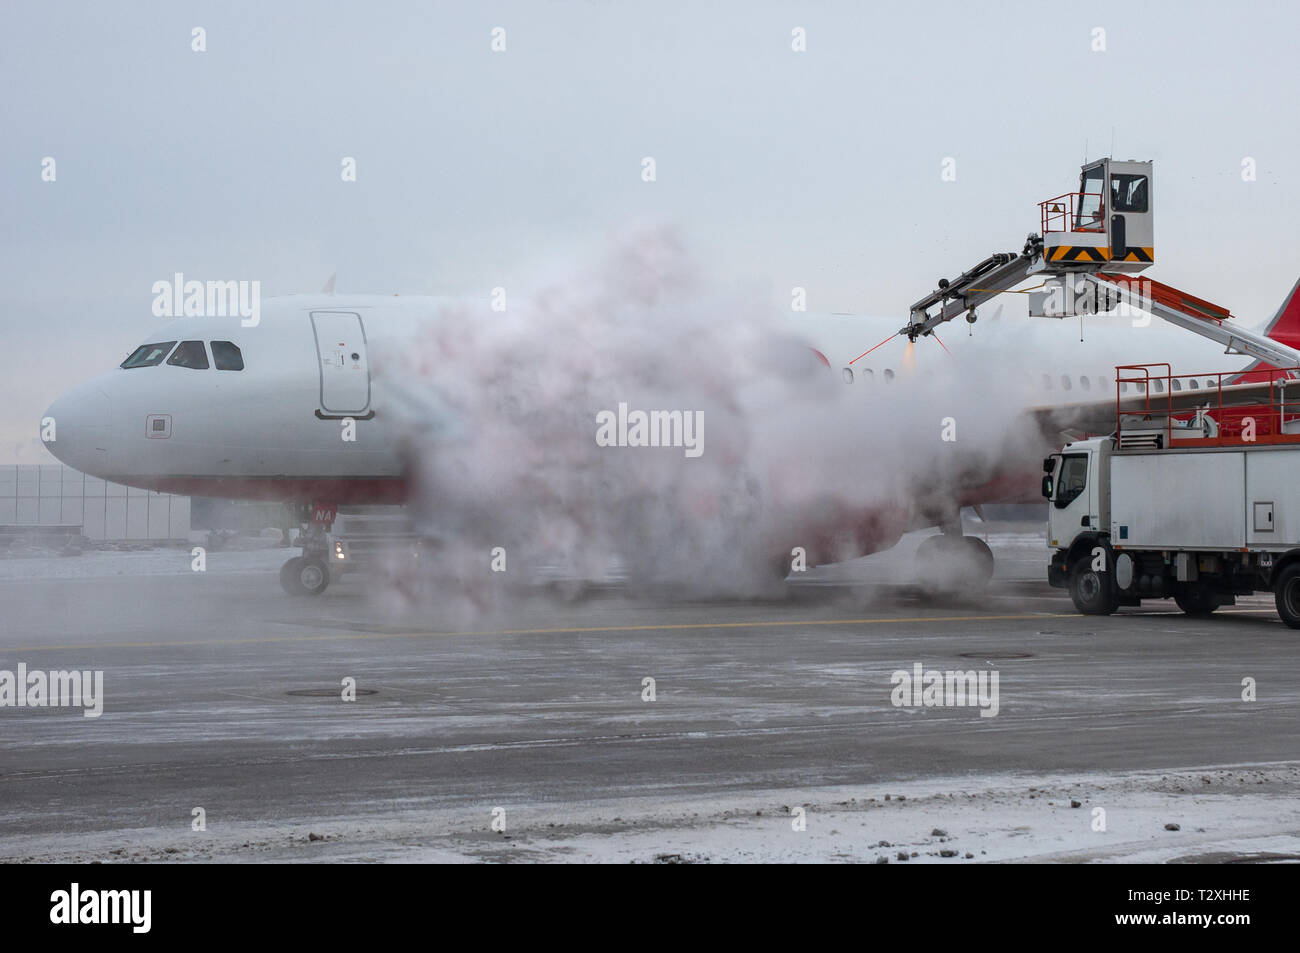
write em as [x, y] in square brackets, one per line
[792, 456]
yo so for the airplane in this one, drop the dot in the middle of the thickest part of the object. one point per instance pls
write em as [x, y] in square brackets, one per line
[205, 406]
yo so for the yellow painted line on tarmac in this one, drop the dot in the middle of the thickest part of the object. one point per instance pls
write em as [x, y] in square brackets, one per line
[1144, 612]
[345, 636]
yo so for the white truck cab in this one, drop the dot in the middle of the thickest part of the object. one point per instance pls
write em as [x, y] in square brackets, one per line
[1080, 502]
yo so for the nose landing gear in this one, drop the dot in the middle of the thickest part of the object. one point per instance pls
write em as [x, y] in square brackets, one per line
[304, 576]
[309, 574]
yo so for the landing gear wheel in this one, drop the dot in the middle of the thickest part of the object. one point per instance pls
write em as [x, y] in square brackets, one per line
[1286, 592]
[1197, 600]
[289, 576]
[1090, 590]
[981, 559]
[304, 576]
[313, 575]
[779, 567]
[954, 564]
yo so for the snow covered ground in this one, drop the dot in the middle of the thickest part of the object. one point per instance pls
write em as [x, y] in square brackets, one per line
[152, 562]
[765, 708]
[1020, 554]
[1234, 813]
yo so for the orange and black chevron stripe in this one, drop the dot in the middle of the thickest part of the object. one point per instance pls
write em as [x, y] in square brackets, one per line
[1089, 253]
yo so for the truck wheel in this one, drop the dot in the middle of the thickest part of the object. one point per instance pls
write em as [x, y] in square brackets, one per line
[1197, 600]
[1090, 590]
[1286, 592]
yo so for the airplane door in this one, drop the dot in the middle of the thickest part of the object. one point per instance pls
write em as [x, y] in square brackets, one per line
[344, 366]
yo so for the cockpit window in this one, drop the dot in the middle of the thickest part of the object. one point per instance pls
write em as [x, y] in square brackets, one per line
[227, 356]
[190, 354]
[147, 355]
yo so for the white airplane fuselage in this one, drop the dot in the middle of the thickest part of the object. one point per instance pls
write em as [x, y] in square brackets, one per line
[272, 430]
[268, 431]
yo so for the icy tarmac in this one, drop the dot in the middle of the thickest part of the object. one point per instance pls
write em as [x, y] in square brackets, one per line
[771, 734]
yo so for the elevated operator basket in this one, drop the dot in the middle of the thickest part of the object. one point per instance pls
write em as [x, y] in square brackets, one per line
[1108, 222]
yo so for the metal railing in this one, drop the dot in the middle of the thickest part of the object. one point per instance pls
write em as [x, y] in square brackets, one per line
[1064, 214]
[1258, 419]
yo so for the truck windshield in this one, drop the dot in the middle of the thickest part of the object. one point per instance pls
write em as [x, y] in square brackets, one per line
[1073, 479]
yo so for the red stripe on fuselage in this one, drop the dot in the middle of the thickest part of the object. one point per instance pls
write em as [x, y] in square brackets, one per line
[345, 490]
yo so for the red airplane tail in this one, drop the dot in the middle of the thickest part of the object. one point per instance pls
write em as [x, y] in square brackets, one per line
[1284, 327]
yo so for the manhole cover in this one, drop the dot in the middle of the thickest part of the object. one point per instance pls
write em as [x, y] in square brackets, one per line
[997, 656]
[328, 692]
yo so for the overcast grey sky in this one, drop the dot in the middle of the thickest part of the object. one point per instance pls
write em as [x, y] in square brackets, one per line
[478, 168]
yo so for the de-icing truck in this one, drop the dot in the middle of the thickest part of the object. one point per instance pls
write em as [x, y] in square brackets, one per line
[1194, 497]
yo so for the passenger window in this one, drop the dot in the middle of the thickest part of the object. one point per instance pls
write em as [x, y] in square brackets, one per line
[1123, 387]
[1193, 384]
[1103, 383]
[848, 375]
[190, 354]
[1074, 476]
[1085, 383]
[867, 375]
[1160, 385]
[1065, 382]
[1047, 382]
[147, 355]
[1177, 384]
[227, 356]
[889, 375]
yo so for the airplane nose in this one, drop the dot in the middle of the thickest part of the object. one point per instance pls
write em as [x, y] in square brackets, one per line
[77, 427]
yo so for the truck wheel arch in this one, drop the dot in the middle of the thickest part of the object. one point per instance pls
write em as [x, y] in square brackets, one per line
[1085, 543]
[1282, 562]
